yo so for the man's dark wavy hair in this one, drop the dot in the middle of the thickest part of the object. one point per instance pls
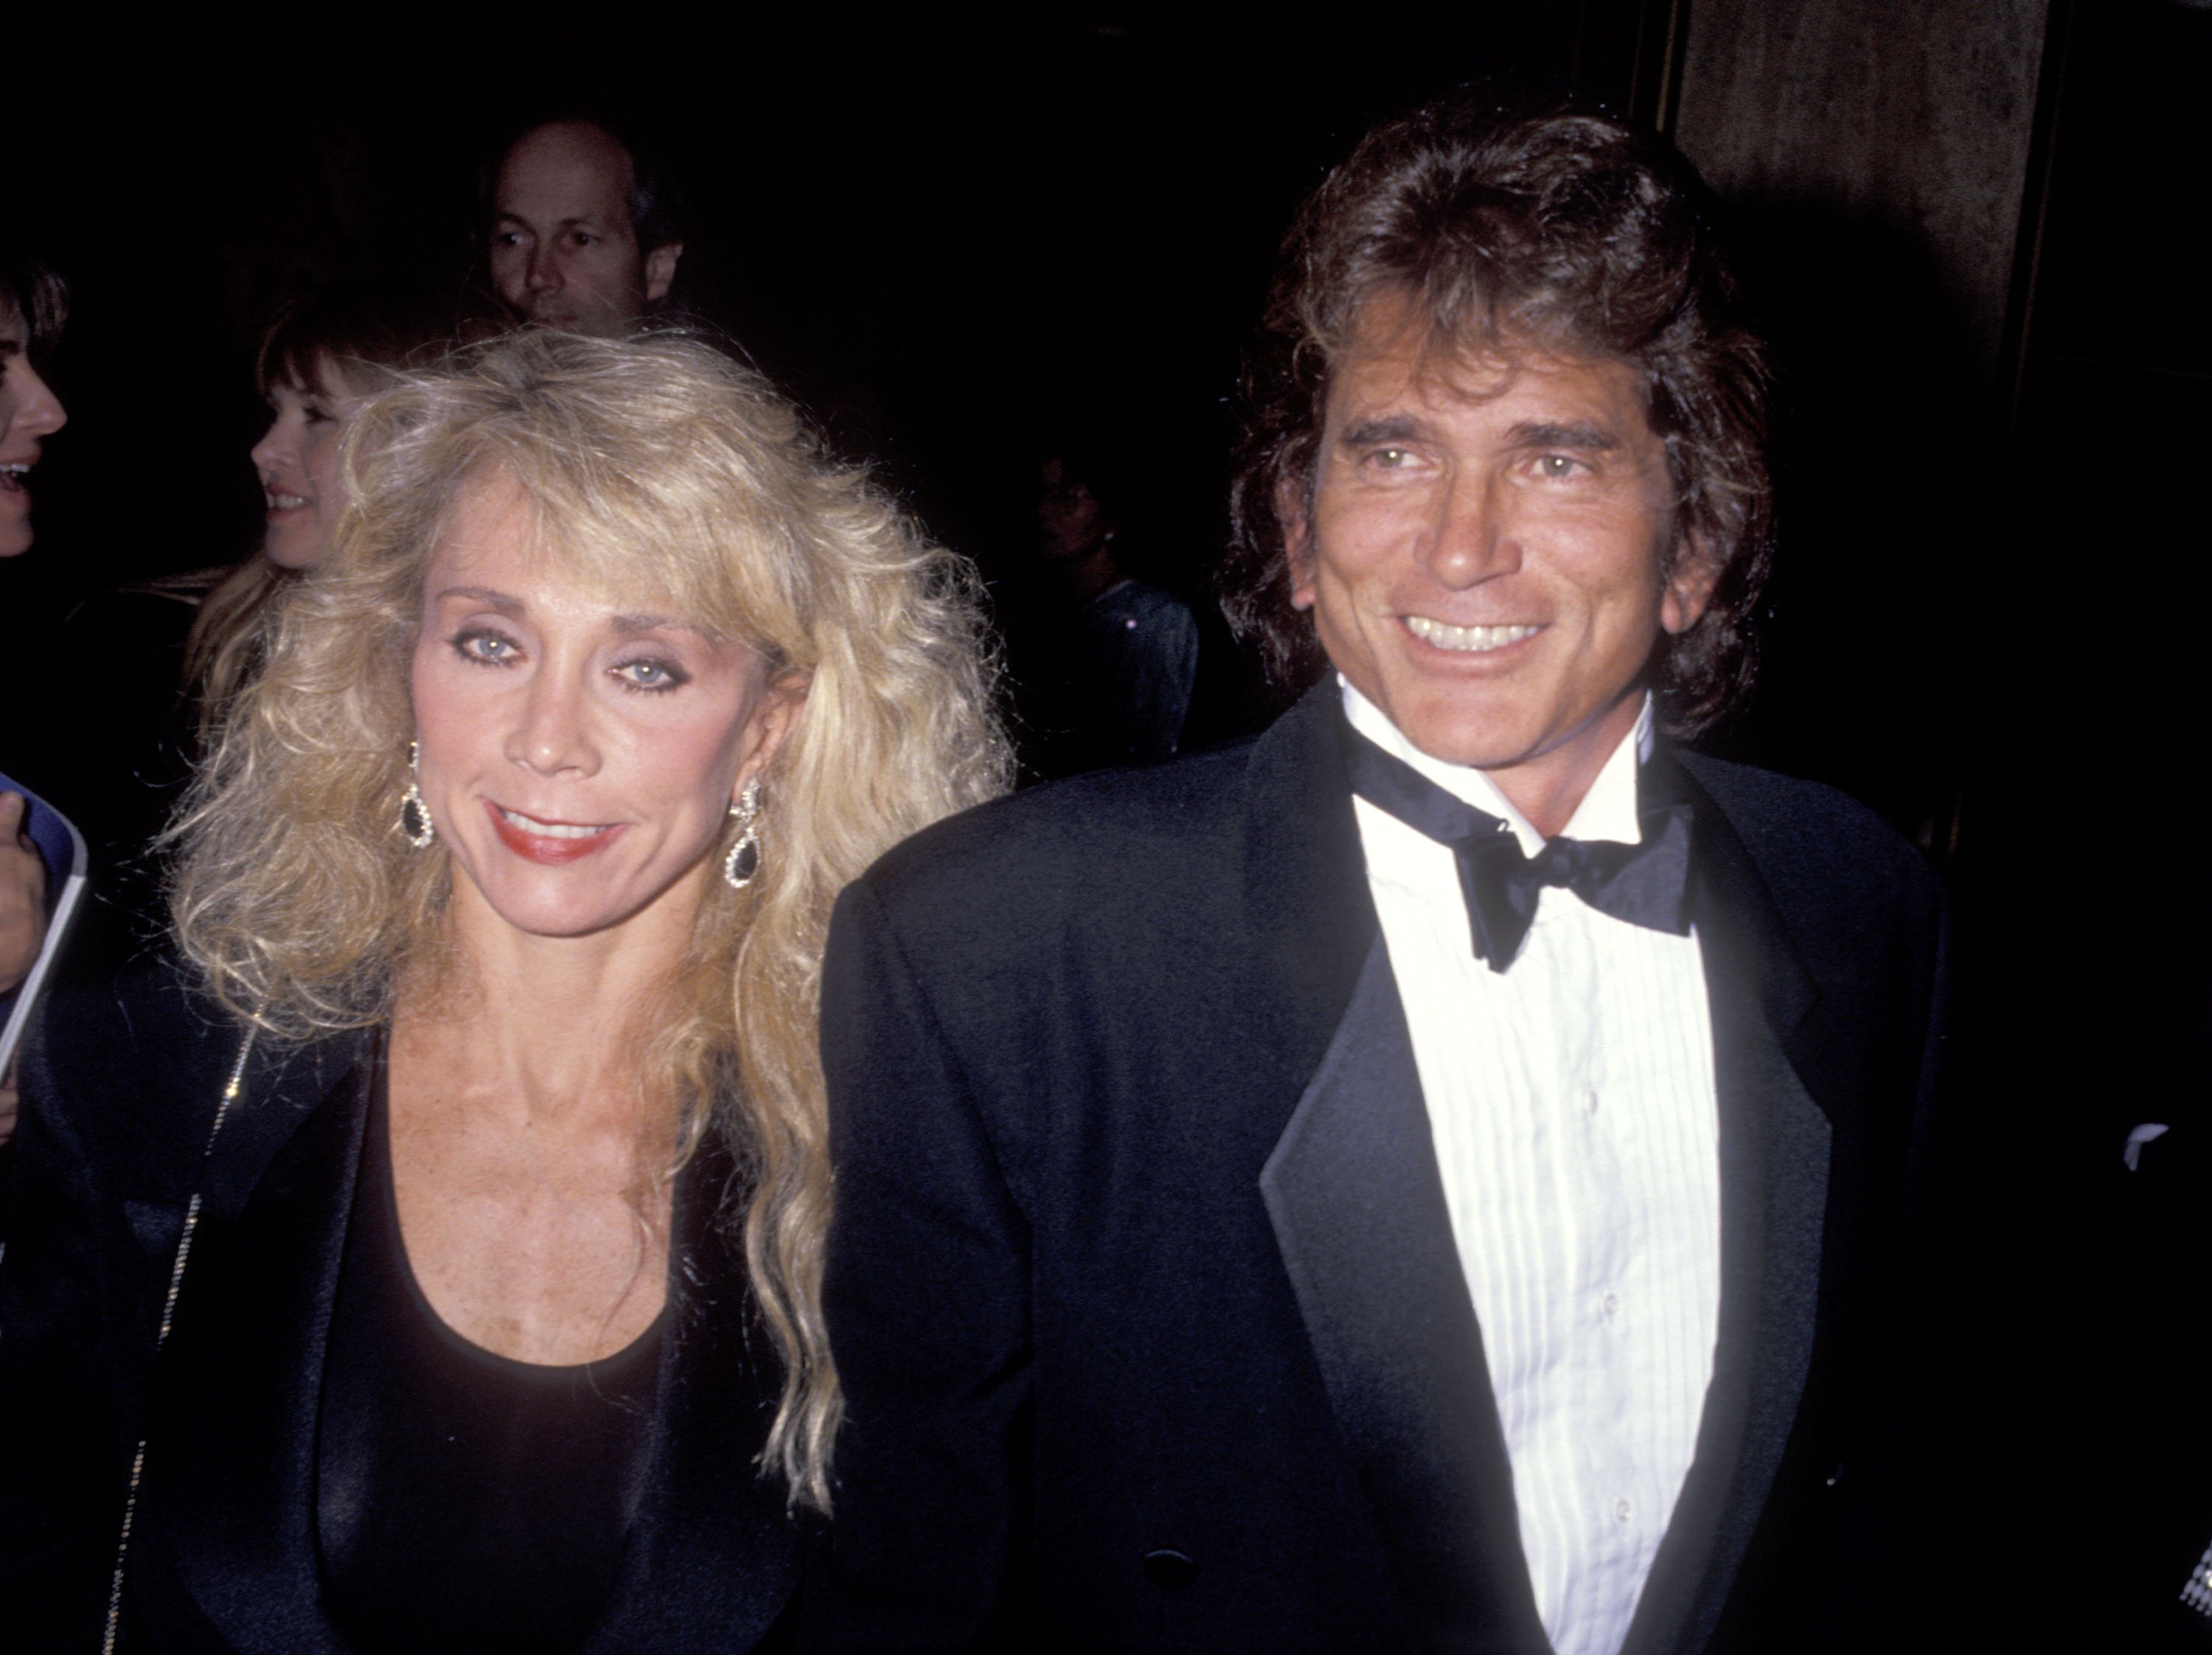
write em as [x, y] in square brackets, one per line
[1557, 231]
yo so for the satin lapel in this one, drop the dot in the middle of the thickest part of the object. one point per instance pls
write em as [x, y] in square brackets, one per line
[228, 1489]
[711, 1557]
[1774, 1161]
[1358, 1210]
[1308, 913]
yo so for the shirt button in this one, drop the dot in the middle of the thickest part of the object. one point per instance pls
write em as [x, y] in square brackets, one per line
[1621, 1510]
[1611, 1304]
[1590, 1103]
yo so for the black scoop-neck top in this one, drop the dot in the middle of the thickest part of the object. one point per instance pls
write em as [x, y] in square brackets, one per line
[465, 1500]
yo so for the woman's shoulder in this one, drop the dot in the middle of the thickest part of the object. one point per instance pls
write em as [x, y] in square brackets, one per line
[131, 1064]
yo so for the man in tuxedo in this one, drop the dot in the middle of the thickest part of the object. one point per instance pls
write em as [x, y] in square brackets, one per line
[1427, 1178]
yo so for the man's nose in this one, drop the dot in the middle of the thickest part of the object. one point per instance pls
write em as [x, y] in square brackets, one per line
[551, 734]
[1473, 539]
[544, 273]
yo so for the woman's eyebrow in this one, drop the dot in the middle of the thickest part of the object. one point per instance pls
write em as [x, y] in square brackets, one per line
[505, 602]
[637, 623]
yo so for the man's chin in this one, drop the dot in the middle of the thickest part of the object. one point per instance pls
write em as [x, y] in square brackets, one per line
[1447, 728]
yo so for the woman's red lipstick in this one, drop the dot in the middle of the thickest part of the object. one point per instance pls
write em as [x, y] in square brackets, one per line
[551, 849]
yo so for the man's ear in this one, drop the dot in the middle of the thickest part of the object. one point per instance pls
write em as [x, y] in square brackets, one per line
[1690, 583]
[1296, 523]
[660, 271]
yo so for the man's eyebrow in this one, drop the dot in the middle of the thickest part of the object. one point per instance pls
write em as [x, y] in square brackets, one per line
[1392, 427]
[1546, 434]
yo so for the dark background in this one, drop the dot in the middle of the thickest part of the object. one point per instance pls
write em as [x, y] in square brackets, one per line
[952, 239]
[942, 238]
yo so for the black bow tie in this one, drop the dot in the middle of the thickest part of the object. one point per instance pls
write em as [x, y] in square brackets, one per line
[1646, 884]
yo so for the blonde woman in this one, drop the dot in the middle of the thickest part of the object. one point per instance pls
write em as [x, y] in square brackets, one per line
[468, 1173]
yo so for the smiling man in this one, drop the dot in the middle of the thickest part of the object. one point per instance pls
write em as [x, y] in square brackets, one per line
[1429, 1177]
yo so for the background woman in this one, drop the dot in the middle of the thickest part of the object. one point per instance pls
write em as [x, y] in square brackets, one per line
[502, 907]
[319, 364]
[174, 650]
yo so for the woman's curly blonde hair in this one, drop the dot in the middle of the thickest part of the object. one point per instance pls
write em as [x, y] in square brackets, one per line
[658, 465]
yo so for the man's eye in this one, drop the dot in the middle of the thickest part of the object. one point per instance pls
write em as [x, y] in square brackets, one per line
[1557, 465]
[585, 239]
[1390, 459]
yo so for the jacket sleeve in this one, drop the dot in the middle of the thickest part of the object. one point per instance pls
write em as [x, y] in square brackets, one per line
[925, 1289]
[65, 1465]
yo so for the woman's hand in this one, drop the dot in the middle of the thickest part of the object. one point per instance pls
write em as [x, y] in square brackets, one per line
[8, 1104]
[22, 896]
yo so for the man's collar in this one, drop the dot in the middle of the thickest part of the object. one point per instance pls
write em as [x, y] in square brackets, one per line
[1607, 811]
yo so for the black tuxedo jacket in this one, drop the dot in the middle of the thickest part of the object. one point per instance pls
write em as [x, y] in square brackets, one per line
[119, 1100]
[1142, 1284]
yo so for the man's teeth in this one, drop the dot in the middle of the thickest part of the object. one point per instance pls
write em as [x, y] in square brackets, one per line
[549, 829]
[12, 476]
[1474, 639]
[283, 502]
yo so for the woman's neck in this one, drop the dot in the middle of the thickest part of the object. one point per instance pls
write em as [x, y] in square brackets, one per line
[547, 1028]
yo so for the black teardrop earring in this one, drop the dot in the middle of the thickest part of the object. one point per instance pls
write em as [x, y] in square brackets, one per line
[415, 821]
[744, 860]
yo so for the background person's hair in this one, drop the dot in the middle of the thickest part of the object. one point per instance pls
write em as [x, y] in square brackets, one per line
[362, 328]
[1551, 232]
[32, 294]
[661, 468]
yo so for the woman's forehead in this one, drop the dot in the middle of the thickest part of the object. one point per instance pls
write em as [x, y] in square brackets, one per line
[498, 538]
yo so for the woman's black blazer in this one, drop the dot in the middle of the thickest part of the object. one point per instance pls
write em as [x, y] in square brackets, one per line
[114, 1160]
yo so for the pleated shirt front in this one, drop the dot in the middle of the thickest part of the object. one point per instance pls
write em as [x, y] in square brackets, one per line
[1572, 1102]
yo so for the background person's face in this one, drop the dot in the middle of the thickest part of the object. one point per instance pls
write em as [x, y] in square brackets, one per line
[1486, 556]
[29, 413]
[563, 250]
[298, 459]
[1071, 521]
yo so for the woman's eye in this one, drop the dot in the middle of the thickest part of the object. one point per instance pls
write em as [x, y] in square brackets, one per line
[488, 647]
[651, 675]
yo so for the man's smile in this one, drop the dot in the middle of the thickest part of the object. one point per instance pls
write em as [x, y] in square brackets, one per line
[1473, 640]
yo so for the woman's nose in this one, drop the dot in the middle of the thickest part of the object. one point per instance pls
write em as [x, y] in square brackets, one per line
[551, 735]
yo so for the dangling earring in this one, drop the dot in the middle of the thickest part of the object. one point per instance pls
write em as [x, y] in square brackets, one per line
[744, 860]
[415, 816]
